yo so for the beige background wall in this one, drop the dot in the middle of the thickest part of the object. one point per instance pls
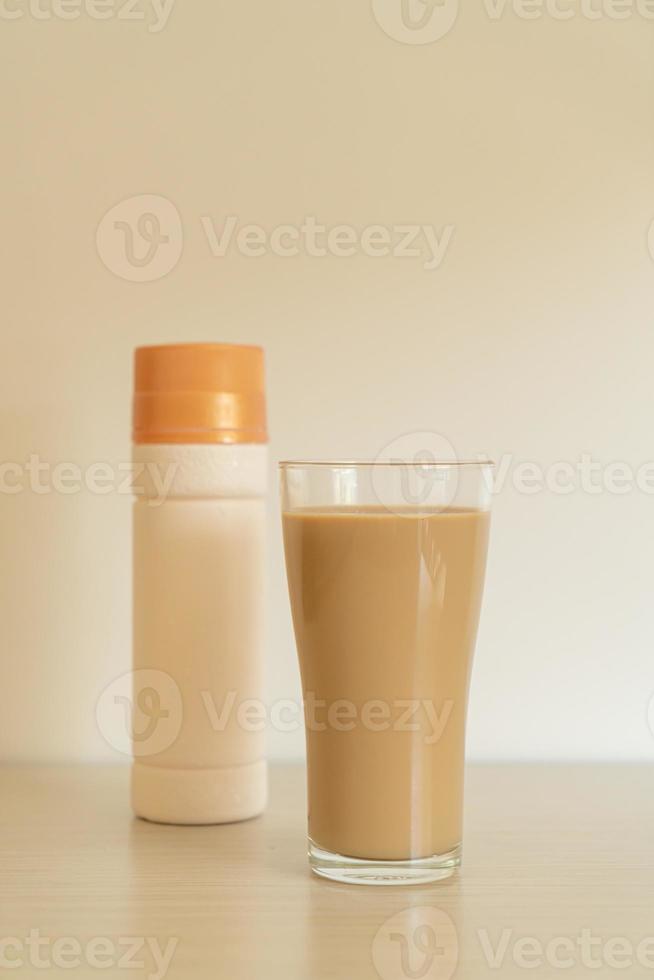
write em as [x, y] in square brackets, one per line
[532, 138]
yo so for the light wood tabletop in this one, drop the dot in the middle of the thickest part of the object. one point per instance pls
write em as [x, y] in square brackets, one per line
[558, 879]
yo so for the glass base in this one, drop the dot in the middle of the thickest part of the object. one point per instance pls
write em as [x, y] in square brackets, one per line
[362, 871]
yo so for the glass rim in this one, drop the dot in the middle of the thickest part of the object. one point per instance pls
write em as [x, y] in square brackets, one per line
[288, 464]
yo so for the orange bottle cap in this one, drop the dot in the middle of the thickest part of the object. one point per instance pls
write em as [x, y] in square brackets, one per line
[199, 393]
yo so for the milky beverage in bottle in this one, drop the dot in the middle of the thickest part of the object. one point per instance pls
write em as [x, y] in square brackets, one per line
[200, 429]
[385, 608]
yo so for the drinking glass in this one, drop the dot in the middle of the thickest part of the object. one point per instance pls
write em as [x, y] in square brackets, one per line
[385, 565]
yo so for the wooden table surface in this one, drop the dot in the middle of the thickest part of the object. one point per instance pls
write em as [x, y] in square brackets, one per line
[558, 879]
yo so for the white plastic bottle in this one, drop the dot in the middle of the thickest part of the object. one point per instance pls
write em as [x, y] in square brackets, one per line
[199, 527]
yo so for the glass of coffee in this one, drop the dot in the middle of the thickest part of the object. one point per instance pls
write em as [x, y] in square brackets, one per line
[385, 565]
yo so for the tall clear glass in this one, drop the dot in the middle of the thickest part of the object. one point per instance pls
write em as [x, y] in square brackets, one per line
[385, 565]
